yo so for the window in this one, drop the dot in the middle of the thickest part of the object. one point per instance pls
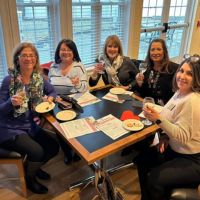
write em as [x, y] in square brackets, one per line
[35, 25]
[93, 21]
[157, 12]
[3, 65]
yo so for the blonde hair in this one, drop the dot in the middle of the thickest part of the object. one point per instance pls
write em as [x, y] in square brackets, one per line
[113, 39]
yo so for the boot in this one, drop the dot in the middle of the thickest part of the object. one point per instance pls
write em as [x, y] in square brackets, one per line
[43, 175]
[31, 181]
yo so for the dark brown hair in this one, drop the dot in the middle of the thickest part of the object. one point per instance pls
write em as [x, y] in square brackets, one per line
[165, 61]
[195, 69]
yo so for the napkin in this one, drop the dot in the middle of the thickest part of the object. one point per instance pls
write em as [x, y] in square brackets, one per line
[128, 114]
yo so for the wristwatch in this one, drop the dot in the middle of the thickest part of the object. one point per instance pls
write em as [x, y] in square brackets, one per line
[158, 121]
[129, 87]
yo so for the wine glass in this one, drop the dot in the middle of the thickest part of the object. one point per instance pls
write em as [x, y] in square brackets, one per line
[22, 93]
[101, 66]
[72, 76]
[142, 69]
[148, 102]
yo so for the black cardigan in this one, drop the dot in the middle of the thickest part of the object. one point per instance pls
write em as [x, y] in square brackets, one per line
[163, 87]
[126, 74]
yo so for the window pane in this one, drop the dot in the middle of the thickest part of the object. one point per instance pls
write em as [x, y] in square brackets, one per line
[151, 17]
[35, 25]
[94, 21]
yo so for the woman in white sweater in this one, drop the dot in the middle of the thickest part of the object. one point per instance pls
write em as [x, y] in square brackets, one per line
[175, 161]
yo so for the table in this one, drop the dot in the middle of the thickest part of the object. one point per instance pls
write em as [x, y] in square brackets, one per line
[96, 146]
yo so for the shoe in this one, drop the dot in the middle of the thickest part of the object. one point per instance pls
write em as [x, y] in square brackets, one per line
[67, 160]
[76, 157]
[35, 186]
[43, 175]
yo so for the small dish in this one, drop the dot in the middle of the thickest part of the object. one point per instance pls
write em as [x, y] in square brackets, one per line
[66, 115]
[133, 125]
[117, 90]
[44, 107]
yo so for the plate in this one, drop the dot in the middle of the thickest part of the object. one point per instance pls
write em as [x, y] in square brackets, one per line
[133, 125]
[117, 90]
[66, 115]
[44, 107]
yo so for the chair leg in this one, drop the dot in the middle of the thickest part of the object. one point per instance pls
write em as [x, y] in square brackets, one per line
[20, 166]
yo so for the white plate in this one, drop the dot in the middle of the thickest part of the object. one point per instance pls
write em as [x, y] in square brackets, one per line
[117, 90]
[133, 125]
[44, 107]
[66, 115]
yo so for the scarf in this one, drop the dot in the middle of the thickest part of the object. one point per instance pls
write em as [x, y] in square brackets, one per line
[33, 92]
[112, 69]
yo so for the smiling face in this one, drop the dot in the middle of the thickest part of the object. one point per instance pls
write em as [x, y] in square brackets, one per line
[66, 54]
[27, 59]
[112, 51]
[184, 79]
[156, 52]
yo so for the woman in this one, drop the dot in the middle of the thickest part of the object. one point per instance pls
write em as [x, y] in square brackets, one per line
[68, 74]
[113, 66]
[156, 81]
[20, 92]
[177, 161]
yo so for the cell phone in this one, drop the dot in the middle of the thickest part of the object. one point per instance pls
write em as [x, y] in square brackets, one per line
[137, 104]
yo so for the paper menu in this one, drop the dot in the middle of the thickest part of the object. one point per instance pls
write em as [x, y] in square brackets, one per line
[78, 127]
[111, 126]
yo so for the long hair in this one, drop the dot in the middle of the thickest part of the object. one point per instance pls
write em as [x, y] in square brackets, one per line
[70, 44]
[195, 69]
[114, 40]
[19, 48]
[165, 61]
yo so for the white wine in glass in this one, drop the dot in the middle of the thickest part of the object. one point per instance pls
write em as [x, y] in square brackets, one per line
[148, 101]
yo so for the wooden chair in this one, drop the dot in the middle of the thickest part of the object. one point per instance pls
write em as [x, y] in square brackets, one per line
[186, 194]
[11, 157]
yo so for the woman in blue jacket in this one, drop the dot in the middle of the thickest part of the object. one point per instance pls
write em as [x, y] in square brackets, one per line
[21, 91]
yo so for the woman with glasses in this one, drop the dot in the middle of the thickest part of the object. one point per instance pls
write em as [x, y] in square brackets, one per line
[68, 75]
[156, 80]
[113, 67]
[175, 161]
[21, 91]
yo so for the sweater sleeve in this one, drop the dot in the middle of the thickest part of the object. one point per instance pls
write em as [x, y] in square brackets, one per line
[5, 101]
[185, 125]
[83, 83]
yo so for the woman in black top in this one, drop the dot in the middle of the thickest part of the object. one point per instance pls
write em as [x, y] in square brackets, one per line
[156, 81]
[117, 69]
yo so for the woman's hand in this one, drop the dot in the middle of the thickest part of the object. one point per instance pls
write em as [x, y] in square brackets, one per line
[150, 113]
[48, 98]
[17, 100]
[75, 81]
[139, 79]
[164, 141]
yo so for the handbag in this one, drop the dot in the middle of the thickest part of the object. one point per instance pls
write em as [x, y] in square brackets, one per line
[105, 187]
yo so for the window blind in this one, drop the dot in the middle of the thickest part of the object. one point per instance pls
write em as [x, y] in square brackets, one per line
[93, 21]
[35, 25]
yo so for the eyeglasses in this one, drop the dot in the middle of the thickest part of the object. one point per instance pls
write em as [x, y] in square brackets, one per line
[25, 56]
[66, 50]
[194, 58]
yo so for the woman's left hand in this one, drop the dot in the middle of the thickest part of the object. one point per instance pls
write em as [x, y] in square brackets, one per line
[75, 81]
[150, 113]
[48, 98]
